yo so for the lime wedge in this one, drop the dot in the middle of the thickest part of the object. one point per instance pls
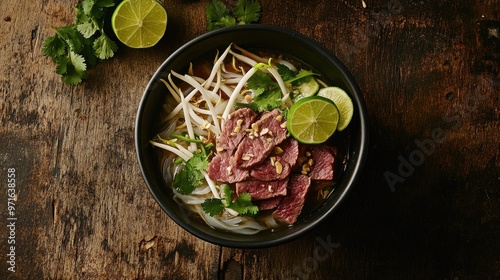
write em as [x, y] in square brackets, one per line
[139, 23]
[343, 102]
[312, 120]
[308, 87]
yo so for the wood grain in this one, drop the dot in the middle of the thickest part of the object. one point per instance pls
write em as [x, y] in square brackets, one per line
[84, 211]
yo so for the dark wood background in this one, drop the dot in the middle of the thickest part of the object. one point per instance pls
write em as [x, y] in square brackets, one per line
[429, 71]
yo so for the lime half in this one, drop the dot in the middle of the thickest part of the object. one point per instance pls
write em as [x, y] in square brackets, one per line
[312, 120]
[343, 102]
[139, 23]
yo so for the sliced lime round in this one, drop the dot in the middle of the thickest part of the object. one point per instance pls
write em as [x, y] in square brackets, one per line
[139, 23]
[312, 120]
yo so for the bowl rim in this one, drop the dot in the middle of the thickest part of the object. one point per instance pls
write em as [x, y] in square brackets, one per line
[361, 155]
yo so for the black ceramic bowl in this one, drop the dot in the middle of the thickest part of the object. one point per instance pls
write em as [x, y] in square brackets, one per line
[250, 36]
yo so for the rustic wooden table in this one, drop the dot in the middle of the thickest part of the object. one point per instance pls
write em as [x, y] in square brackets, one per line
[426, 207]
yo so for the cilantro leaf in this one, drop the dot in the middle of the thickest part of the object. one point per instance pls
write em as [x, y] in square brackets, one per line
[227, 21]
[267, 93]
[260, 82]
[77, 46]
[66, 48]
[104, 47]
[87, 28]
[247, 11]
[264, 102]
[190, 176]
[212, 206]
[285, 72]
[70, 35]
[105, 3]
[302, 74]
[86, 6]
[216, 10]
[227, 194]
[290, 76]
[72, 69]
[243, 204]
[219, 15]
[54, 47]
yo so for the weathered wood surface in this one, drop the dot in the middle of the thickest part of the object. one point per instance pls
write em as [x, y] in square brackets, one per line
[427, 69]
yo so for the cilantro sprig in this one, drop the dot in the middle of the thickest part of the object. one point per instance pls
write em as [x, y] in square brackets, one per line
[78, 46]
[219, 15]
[190, 176]
[243, 204]
[267, 93]
[290, 76]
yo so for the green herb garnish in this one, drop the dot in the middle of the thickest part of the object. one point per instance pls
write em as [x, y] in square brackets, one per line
[267, 93]
[80, 45]
[219, 15]
[190, 176]
[243, 204]
[289, 76]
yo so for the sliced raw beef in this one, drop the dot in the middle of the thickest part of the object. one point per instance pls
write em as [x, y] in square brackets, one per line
[292, 204]
[322, 167]
[220, 169]
[273, 168]
[275, 124]
[259, 142]
[251, 152]
[290, 148]
[259, 190]
[234, 128]
[268, 204]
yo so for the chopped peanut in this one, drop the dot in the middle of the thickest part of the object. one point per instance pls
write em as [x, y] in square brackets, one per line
[278, 150]
[279, 167]
[246, 156]
[273, 160]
